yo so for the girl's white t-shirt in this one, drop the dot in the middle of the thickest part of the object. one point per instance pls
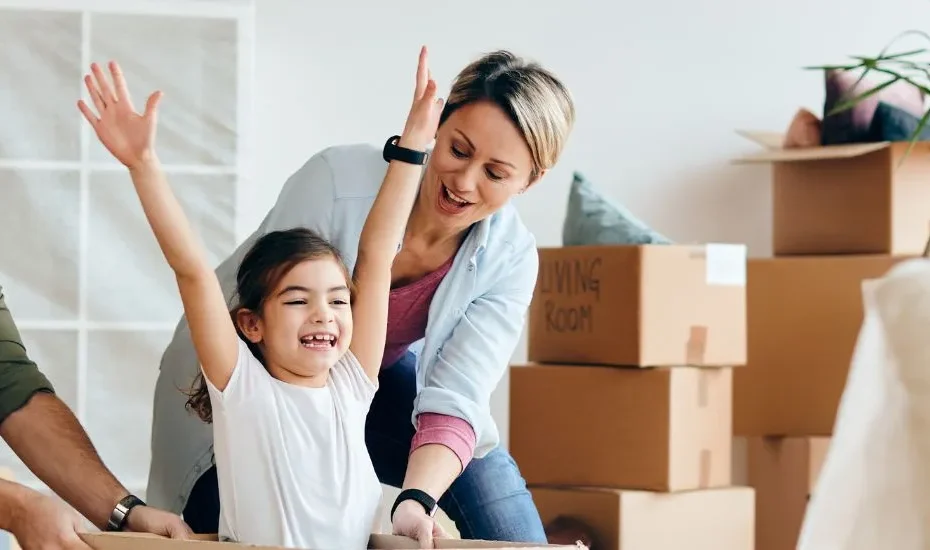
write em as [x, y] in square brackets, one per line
[292, 464]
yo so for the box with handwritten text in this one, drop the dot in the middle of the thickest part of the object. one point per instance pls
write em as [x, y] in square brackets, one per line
[640, 305]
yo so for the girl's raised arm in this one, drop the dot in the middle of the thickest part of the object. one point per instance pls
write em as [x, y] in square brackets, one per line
[385, 224]
[130, 137]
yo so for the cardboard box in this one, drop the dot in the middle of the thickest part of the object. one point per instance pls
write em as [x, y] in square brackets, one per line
[138, 541]
[848, 199]
[804, 318]
[716, 519]
[7, 540]
[783, 472]
[662, 429]
[650, 305]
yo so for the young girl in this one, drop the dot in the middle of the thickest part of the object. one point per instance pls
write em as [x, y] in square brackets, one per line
[291, 373]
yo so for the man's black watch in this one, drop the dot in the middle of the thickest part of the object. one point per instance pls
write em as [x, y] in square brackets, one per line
[393, 151]
[425, 500]
[119, 514]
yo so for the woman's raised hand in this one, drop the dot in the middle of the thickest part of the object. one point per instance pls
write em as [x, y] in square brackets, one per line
[129, 136]
[423, 120]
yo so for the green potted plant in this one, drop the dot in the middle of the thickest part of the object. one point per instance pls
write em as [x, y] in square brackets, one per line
[903, 66]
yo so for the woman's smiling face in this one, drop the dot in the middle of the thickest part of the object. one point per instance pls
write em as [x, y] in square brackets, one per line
[479, 162]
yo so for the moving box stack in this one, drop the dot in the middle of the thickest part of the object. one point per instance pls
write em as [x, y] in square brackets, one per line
[622, 419]
[841, 215]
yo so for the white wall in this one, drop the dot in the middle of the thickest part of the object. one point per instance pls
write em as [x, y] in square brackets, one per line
[660, 88]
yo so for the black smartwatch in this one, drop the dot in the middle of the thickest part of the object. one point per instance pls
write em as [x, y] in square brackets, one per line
[119, 514]
[425, 500]
[392, 151]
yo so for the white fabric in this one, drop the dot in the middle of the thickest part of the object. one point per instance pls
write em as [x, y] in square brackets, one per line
[874, 489]
[292, 464]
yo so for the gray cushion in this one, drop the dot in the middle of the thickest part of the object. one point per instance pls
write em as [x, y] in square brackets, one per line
[592, 218]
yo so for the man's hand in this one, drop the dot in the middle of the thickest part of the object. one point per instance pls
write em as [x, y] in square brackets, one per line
[144, 519]
[42, 523]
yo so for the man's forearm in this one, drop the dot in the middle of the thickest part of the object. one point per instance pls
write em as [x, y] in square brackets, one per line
[48, 438]
[432, 468]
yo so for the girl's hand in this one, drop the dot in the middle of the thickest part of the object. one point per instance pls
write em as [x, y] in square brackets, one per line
[129, 136]
[423, 120]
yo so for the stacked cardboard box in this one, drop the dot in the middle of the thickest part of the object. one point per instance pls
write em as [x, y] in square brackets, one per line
[622, 418]
[841, 215]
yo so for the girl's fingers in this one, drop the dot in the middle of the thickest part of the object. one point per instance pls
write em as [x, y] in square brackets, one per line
[88, 113]
[94, 94]
[122, 92]
[152, 103]
[102, 84]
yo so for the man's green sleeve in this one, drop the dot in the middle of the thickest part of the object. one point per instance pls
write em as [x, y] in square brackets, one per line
[20, 378]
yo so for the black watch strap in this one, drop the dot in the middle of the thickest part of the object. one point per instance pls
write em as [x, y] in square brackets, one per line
[119, 514]
[392, 151]
[425, 500]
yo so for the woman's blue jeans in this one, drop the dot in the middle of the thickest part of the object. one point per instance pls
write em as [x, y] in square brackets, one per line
[488, 501]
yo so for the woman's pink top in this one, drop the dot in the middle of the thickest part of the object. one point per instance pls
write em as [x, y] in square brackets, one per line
[408, 310]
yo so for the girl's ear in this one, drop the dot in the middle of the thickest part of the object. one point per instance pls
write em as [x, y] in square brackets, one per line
[249, 324]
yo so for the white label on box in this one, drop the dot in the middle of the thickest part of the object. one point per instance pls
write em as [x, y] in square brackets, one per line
[726, 264]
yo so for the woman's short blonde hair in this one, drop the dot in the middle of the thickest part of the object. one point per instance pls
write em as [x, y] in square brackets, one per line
[535, 100]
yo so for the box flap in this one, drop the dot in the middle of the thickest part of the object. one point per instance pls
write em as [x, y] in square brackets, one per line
[145, 541]
[394, 542]
[142, 541]
[812, 153]
[769, 140]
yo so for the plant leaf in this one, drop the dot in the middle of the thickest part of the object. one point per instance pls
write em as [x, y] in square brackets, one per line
[850, 103]
[901, 35]
[924, 69]
[914, 138]
[871, 63]
[907, 79]
[883, 57]
[831, 67]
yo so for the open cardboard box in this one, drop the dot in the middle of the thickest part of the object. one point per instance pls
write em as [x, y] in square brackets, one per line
[857, 198]
[138, 541]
